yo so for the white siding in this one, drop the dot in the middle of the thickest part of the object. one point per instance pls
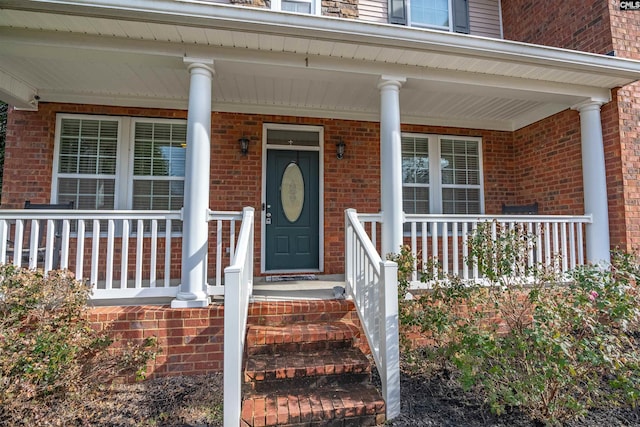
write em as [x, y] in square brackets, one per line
[484, 18]
[484, 15]
[373, 10]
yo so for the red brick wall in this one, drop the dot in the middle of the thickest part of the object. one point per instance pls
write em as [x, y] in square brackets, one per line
[596, 26]
[351, 182]
[549, 164]
[571, 24]
[192, 340]
[625, 28]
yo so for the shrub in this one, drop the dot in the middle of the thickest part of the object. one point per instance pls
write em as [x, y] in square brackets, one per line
[49, 354]
[552, 345]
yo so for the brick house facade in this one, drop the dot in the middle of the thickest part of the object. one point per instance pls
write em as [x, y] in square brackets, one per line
[362, 81]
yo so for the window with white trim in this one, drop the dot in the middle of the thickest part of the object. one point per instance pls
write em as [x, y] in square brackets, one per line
[442, 174]
[430, 13]
[107, 163]
[311, 7]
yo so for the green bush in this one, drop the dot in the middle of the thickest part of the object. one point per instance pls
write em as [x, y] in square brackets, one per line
[50, 356]
[553, 345]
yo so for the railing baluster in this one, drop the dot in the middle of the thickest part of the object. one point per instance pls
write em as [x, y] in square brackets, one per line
[414, 234]
[167, 253]
[565, 254]
[425, 245]
[434, 246]
[232, 238]
[465, 250]
[95, 253]
[580, 244]
[445, 248]
[556, 245]
[139, 253]
[111, 232]
[456, 255]
[49, 245]
[474, 227]
[34, 243]
[4, 233]
[572, 244]
[218, 252]
[547, 244]
[124, 268]
[64, 251]
[154, 253]
[80, 250]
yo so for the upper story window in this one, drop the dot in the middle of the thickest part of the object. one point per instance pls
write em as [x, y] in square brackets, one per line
[299, 6]
[448, 15]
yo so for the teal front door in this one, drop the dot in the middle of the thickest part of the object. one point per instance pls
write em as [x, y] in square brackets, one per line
[292, 211]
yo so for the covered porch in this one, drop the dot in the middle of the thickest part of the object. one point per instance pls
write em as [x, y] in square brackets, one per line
[227, 74]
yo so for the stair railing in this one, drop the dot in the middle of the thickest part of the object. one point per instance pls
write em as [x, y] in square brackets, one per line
[238, 281]
[373, 285]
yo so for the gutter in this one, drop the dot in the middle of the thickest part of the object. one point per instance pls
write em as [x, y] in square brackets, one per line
[198, 13]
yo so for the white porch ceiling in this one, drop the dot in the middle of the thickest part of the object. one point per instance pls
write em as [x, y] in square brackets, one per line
[280, 63]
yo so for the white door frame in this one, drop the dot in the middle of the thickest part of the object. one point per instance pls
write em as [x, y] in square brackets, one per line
[320, 149]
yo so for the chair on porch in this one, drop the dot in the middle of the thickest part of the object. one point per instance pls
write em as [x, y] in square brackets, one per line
[57, 244]
[531, 209]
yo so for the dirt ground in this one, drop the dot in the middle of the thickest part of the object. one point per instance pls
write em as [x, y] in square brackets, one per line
[426, 401]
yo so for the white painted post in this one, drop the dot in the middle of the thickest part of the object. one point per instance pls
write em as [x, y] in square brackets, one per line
[389, 334]
[196, 188]
[594, 177]
[390, 164]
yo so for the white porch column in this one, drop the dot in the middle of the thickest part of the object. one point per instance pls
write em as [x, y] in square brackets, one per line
[196, 188]
[594, 176]
[390, 164]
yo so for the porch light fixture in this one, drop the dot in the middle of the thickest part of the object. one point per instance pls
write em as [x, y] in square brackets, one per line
[340, 149]
[244, 145]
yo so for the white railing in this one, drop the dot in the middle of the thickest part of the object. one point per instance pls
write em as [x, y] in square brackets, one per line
[558, 242]
[559, 239]
[122, 254]
[373, 285]
[238, 289]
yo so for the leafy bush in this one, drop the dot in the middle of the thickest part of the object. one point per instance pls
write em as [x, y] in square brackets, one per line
[49, 354]
[552, 345]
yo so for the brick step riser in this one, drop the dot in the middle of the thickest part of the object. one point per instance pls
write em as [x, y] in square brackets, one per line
[291, 347]
[285, 319]
[364, 421]
[307, 383]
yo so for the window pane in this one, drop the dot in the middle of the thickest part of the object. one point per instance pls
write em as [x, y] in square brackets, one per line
[415, 160]
[461, 162]
[159, 149]
[461, 201]
[158, 194]
[415, 200]
[294, 6]
[88, 146]
[430, 12]
[87, 193]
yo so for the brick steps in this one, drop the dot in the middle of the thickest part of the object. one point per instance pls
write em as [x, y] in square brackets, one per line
[304, 366]
[315, 369]
[297, 337]
[355, 405]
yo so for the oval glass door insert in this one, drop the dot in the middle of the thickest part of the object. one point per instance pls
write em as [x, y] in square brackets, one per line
[292, 192]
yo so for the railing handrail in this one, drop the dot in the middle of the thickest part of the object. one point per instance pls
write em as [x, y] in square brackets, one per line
[499, 218]
[372, 284]
[238, 289]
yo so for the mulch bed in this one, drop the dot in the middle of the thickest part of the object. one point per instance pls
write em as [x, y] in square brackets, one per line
[427, 400]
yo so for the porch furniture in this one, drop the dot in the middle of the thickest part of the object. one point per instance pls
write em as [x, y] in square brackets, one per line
[531, 209]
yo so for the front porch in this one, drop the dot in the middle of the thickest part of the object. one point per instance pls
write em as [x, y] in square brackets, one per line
[106, 250]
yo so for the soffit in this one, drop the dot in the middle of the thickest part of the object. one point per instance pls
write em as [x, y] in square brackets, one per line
[70, 58]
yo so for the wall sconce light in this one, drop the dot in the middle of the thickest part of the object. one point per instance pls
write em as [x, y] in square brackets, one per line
[244, 145]
[340, 149]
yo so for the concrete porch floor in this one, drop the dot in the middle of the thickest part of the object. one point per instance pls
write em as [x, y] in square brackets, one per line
[320, 289]
[263, 290]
